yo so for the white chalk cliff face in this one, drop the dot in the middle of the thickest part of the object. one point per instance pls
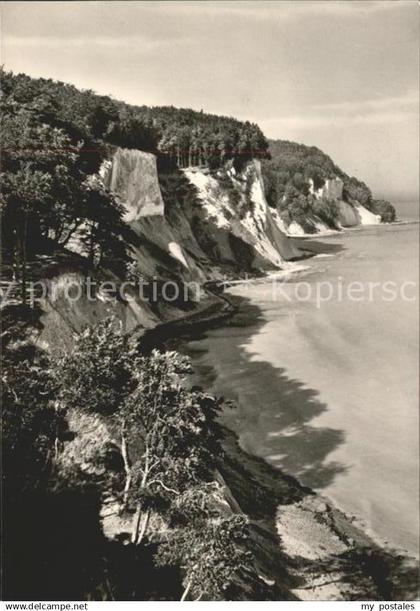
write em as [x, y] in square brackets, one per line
[366, 217]
[249, 220]
[132, 175]
[349, 215]
[199, 242]
[203, 240]
[332, 189]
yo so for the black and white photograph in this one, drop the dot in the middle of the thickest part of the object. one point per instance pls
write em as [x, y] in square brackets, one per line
[209, 303]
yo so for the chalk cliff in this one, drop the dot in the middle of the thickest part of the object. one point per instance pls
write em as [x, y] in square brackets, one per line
[132, 175]
[239, 220]
[331, 189]
[349, 215]
[189, 226]
[242, 231]
[192, 225]
[312, 195]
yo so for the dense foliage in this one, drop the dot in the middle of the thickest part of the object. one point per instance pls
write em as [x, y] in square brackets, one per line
[165, 436]
[31, 424]
[294, 165]
[167, 439]
[188, 136]
[56, 136]
[212, 554]
[54, 140]
[48, 194]
[295, 171]
[384, 208]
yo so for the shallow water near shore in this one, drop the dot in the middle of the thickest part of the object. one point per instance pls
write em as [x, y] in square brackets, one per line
[329, 393]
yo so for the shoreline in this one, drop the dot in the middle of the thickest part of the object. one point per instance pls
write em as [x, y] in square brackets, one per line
[220, 308]
[333, 233]
[201, 319]
[327, 555]
[338, 543]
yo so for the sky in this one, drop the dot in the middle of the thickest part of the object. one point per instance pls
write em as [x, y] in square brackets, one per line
[340, 75]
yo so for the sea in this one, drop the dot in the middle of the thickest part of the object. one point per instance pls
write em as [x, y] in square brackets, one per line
[324, 374]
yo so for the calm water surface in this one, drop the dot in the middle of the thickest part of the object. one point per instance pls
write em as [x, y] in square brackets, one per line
[330, 394]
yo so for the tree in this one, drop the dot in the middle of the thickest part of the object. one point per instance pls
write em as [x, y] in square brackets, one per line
[355, 190]
[31, 423]
[167, 435]
[104, 228]
[385, 209]
[327, 210]
[131, 130]
[172, 434]
[213, 555]
[97, 374]
[38, 184]
[300, 183]
[187, 136]
[47, 190]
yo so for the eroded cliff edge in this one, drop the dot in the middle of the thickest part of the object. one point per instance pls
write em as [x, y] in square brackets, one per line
[187, 227]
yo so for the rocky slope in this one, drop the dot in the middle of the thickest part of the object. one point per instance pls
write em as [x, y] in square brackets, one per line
[349, 215]
[133, 175]
[238, 233]
[187, 227]
[312, 195]
[234, 203]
